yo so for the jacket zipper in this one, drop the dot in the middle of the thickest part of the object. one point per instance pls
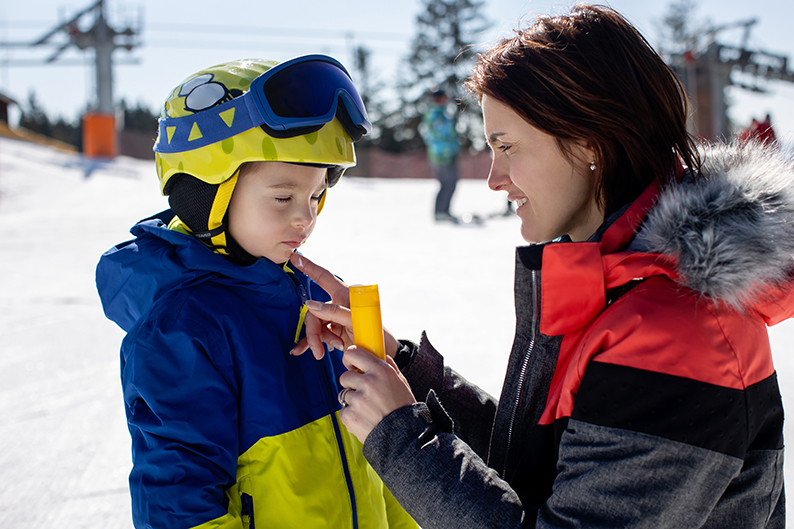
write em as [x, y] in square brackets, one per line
[248, 510]
[330, 400]
[523, 372]
[324, 376]
[301, 290]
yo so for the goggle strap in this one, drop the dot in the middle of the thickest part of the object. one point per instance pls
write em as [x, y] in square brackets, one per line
[198, 130]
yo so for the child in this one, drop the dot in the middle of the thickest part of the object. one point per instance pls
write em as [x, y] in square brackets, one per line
[228, 429]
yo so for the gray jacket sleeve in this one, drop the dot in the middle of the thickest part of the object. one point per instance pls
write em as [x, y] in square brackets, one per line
[470, 408]
[437, 477]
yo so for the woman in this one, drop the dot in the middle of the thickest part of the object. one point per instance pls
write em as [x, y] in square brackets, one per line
[640, 390]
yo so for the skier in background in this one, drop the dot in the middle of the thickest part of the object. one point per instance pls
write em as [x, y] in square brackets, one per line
[441, 139]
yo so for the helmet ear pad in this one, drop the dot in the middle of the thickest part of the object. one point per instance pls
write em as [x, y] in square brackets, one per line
[191, 200]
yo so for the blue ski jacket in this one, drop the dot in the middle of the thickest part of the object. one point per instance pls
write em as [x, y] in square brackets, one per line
[228, 429]
[440, 136]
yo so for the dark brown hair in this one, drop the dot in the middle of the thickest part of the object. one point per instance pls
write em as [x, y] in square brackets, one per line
[590, 77]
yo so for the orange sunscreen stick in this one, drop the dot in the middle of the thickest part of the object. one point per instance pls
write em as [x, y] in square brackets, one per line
[367, 324]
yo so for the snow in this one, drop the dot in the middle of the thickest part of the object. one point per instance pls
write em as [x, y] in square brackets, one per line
[64, 445]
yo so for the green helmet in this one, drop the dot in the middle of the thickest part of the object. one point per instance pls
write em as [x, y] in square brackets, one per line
[212, 123]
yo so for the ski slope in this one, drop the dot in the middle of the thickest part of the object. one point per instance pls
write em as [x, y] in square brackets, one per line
[64, 447]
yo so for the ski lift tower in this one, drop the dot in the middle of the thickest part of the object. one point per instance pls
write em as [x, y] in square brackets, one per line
[707, 71]
[99, 123]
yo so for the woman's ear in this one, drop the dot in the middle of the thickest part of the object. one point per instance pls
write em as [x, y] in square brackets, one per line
[589, 156]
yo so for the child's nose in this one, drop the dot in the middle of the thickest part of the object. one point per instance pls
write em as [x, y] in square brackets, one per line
[304, 216]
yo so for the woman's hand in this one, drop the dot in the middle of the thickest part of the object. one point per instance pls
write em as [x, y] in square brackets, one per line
[373, 389]
[337, 333]
[329, 322]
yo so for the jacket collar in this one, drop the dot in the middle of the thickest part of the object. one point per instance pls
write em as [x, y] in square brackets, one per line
[727, 235]
[133, 274]
[580, 274]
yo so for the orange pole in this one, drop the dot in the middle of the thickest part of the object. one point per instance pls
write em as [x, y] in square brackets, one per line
[99, 135]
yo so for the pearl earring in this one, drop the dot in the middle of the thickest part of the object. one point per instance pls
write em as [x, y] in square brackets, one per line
[592, 166]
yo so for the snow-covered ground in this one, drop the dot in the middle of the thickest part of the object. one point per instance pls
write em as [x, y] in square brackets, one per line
[64, 447]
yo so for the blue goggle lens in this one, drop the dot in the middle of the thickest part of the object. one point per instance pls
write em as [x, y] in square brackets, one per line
[308, 89]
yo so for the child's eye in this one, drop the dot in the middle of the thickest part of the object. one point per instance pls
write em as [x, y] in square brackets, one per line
[319, 196]
[283, 200]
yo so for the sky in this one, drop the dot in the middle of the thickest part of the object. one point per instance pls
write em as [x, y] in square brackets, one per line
[179, 38]
[63, 439]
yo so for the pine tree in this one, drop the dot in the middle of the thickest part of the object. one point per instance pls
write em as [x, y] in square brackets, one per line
[34, 118]
[370, 89]
[681, 29]
[68, 132]
[139, 118]
[442, 56]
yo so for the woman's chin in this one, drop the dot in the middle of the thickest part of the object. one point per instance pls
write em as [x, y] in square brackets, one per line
[529, 235]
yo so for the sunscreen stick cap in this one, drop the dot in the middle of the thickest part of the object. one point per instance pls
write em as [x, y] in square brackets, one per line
[364, 296]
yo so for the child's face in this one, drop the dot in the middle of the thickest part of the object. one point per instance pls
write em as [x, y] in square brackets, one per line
[274, 207]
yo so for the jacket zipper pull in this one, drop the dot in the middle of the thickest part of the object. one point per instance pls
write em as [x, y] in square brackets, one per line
[302, 289]
[248, 509]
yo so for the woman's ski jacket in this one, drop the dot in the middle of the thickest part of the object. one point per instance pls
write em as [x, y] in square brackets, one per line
[640, 390]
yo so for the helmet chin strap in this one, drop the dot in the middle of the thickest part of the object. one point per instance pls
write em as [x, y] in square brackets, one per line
[201, 209]
[220, 206]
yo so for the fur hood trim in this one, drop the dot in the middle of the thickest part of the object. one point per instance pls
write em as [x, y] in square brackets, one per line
[732, 231]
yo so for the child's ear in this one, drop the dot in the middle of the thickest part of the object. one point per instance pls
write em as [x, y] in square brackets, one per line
[333, 175]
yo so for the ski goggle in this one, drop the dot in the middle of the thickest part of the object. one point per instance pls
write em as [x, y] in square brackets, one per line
[303, 92]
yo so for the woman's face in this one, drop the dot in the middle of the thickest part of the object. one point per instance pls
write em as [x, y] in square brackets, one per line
[553, 192]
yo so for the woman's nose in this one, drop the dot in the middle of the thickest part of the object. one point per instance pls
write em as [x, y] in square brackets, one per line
[498, 177]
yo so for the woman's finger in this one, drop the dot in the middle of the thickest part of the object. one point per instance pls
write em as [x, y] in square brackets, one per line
[333, 340]
[393, 365]
[327, 281]
[327, 336]
[361, 360]
[350, 379]
[330, 312]
[300, 348]
[314, 331]
[316, 334]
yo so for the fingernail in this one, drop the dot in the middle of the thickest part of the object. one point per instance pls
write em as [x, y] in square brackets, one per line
[337, 345]
[298, 260]
[315, 305]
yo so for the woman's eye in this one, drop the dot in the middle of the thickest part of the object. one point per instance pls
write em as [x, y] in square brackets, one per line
[504, 147]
